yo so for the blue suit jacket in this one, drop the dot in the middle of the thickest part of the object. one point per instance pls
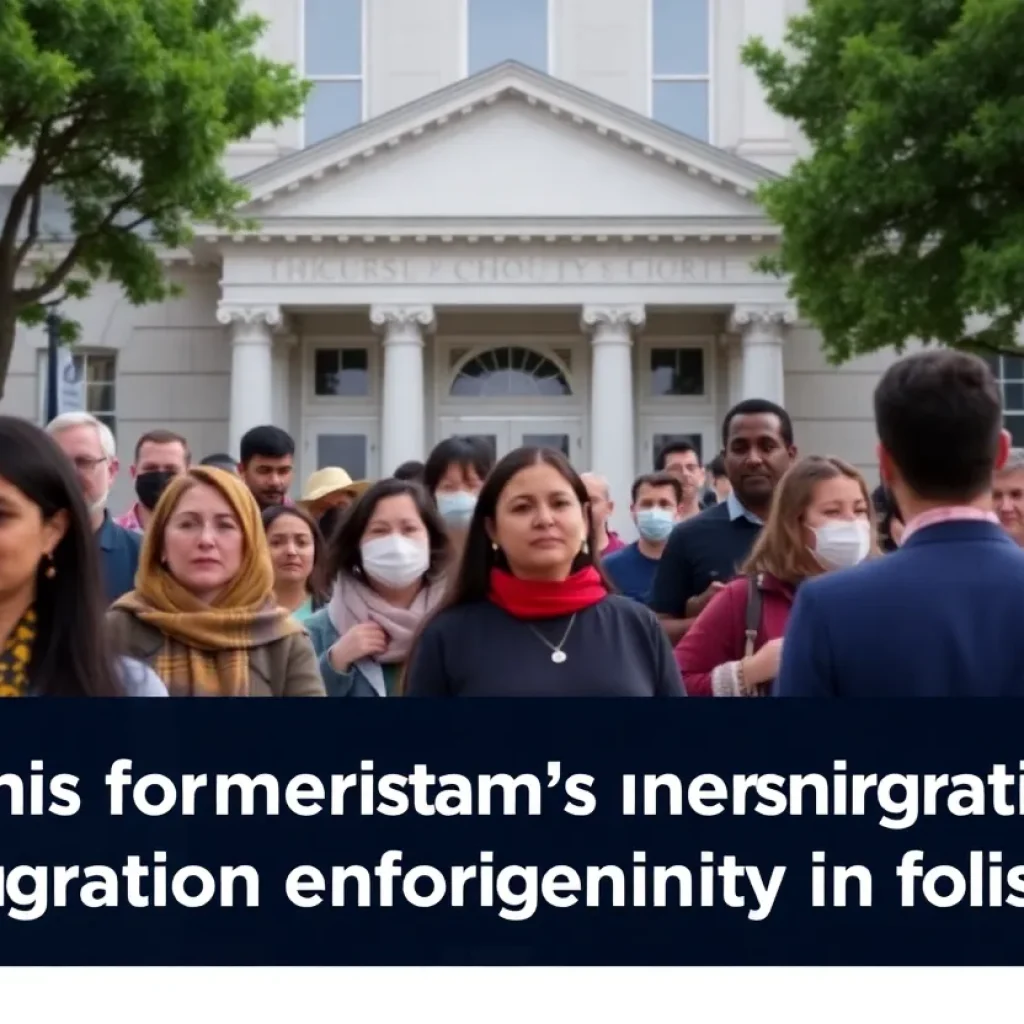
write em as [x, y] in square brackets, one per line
[941, 617]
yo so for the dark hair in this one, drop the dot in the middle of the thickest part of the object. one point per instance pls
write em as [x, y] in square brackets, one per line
[71, 656]
[758, 407]
[456, 451]
[267, 442]
[716, 467]
[674, 448]
[472, 581]
[162, 437]
[657, 480]
[938, 414]
[221, 460]
[343, 555]
[887, 511]
[316, 584]
[411, 470]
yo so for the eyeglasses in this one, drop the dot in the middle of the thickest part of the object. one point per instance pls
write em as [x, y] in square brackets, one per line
[86, 465]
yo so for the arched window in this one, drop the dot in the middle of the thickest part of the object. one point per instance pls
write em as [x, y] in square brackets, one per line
[510, 372]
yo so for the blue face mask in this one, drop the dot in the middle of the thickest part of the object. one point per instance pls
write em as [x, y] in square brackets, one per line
[456, 507]
[655, 524]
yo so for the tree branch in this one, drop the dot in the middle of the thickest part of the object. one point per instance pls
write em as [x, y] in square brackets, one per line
[25, 296]
[32, 234]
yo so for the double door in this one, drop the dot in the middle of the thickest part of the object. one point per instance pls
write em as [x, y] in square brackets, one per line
[503, 435]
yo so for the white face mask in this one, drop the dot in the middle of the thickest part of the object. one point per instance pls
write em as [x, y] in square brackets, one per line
[843, 543]
[395, 561]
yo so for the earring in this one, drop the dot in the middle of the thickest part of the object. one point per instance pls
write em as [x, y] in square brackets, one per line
[51, 570]
[586, 547]
[494, 545]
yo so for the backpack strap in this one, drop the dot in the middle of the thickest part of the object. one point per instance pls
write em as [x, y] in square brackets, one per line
[755, 583]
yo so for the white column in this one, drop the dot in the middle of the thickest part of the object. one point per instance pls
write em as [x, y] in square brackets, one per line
[762, 331]
[734, 360]
[612, 436]
[402, 421]
[252, 367]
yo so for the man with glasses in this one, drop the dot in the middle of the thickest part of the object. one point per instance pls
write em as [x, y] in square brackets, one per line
[89, 445]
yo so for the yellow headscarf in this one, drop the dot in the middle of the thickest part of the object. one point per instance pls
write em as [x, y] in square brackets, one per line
[206, 646]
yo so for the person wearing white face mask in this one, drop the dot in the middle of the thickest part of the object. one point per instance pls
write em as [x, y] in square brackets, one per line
[454, 473]
[386, 562]
[656, 507]
[820, 521]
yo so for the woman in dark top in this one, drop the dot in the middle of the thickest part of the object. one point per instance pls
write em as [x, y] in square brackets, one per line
[529, 613]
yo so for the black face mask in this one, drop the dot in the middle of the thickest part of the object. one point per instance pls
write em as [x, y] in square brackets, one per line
[149, 487]
[328, 522]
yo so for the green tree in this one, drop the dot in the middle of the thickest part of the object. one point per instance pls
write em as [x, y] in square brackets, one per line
[908, 216]
[122, 111]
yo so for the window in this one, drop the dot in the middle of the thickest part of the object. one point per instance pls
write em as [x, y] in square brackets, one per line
[333, 62]
[676, 371]
[681, 65]
[349, 451]
[87, 383]
[341, 372]
[1009, 372]
[500, 30]
[510, 373]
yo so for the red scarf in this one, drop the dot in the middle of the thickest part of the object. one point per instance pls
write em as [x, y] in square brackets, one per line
[546, 599]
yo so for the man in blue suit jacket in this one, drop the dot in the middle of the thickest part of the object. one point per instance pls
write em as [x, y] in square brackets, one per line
[944, 615]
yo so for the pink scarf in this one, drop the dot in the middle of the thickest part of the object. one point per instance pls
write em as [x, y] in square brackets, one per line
[353, 603]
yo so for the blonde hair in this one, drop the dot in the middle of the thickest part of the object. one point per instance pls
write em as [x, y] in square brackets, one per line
[781, 549]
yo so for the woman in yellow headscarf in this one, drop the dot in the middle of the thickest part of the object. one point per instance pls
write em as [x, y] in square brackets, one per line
[203, 614]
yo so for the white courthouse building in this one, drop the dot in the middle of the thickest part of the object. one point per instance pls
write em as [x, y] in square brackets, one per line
[531, 221]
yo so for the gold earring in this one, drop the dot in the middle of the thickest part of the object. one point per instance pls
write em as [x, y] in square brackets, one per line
[586, 547]
[51, 570]
[494, 545]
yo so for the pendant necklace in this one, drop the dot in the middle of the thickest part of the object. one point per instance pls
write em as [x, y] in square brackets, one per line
[558, 656]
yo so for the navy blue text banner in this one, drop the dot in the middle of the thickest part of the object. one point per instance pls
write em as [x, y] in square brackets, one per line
[527, 833]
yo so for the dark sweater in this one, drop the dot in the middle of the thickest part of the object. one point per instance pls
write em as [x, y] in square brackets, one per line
[615, 648]
[707, 548]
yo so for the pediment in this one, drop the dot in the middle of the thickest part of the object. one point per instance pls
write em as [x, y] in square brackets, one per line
[511, 145]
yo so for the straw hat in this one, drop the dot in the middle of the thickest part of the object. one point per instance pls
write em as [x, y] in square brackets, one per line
[330, 480]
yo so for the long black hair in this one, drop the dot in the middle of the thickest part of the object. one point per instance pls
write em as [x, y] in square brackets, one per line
[344, 557]
[71, 656]
[316, 584]
[472, 582]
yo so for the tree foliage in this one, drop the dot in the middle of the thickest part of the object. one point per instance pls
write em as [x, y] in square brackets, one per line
[907, 220]
[122, 110]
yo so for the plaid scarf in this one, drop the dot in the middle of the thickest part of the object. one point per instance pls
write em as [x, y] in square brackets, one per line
[16, 655]
[206, 648]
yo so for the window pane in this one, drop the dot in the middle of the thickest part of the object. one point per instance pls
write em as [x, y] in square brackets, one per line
[560, 442]
[334, 37]
[681, 39]
[343, 372]
[660, 441]
[502, 30]
[99, 398]
[677, 371]
[332, 107]
[349, 451]
[99, 368]
[1015, 425]
[1013, 397]
[1013, 368]
[683, 106]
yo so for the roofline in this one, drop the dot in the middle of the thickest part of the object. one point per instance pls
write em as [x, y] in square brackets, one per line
[487, 87]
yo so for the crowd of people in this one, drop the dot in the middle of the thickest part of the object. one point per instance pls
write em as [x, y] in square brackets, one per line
[764, 572]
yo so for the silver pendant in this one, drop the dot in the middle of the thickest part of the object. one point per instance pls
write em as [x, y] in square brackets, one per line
[558, 657]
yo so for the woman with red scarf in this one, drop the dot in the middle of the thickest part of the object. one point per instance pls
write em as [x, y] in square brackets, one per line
[530, 614]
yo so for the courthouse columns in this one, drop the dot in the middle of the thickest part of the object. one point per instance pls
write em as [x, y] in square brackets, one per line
[252, 367]
[402, 330]
[762, 331]
[612, 439]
